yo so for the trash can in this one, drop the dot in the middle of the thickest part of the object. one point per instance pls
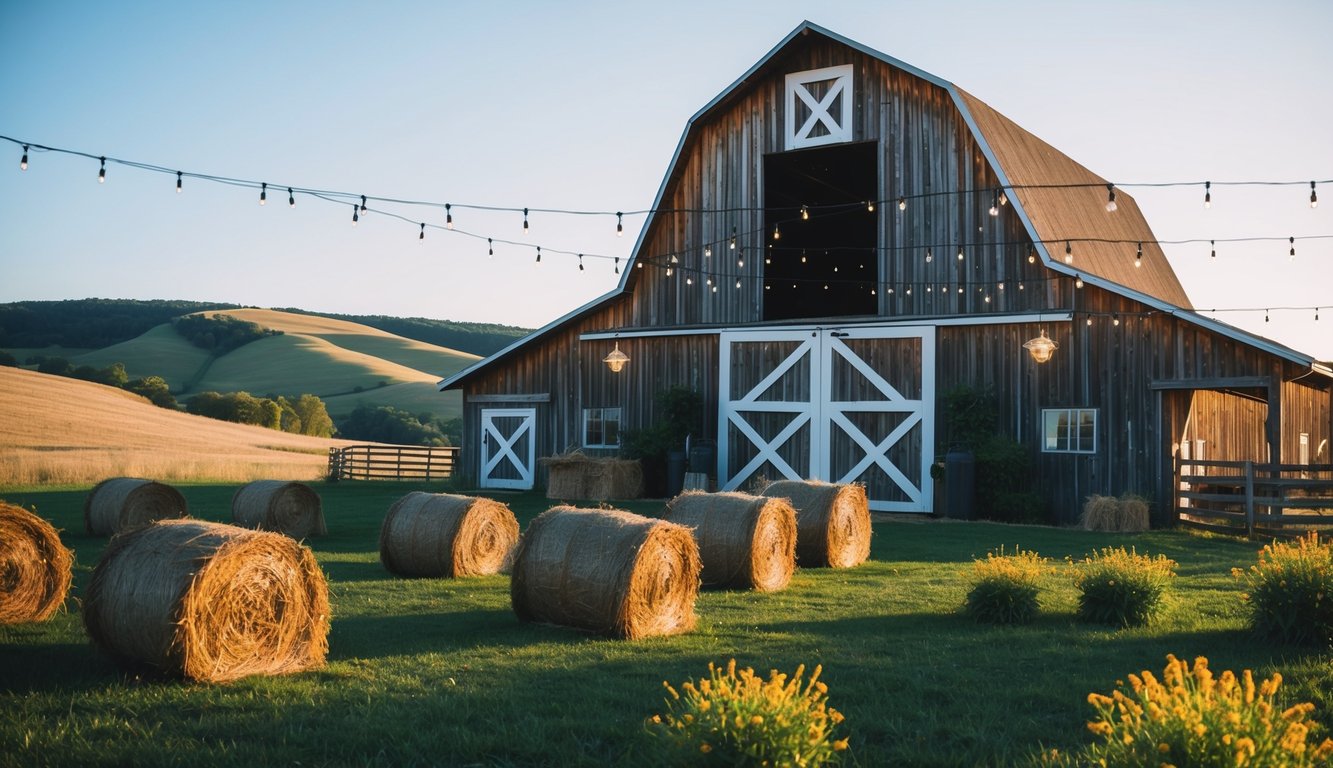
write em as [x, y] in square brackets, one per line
[960, 484]
[675, 479]
[703, 456]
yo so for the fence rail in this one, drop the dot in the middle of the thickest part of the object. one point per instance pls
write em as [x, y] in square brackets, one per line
[392, 462]
[1242, 497]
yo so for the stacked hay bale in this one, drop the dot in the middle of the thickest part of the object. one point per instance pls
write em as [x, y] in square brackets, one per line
[832, 521]
[575, 475]
[745, 541]
[274, 505]
[1107, 513]
[35, 568]
[606, 571]
[209, 602]
[123, 504]
[440, 534]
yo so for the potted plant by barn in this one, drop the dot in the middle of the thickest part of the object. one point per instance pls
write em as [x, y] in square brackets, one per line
[660, 446]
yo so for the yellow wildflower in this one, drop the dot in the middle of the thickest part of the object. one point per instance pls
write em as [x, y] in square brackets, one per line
[841, 744]
[1164, 748]
[705, 748]
[757, 720]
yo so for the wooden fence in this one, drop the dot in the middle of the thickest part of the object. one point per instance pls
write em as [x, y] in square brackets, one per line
[1242, 497]
[391, 462]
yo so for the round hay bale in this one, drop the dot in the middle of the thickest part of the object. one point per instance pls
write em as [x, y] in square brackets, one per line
[275, 505]
[606, 571]
[744, 541]
[35, 568]
[440, 534]
[832, 521]
[123, 504]
[209, 602]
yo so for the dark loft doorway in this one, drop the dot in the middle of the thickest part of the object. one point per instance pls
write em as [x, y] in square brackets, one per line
[824, 262]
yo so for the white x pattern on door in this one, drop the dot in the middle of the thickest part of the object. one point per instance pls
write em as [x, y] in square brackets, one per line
[502, 429]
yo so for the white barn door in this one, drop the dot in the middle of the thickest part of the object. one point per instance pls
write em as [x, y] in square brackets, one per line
[842, 406]
[508, 447]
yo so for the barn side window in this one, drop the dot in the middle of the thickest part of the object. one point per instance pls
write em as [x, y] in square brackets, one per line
[1069, 430]
[601, 427]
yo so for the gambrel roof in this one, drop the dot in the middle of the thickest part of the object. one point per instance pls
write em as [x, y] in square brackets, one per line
[1056, 199]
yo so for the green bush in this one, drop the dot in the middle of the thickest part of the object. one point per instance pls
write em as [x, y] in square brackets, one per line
[1121, 587]
[735, 718]
[1290, 591]
[1193, 718]
[1004, 587]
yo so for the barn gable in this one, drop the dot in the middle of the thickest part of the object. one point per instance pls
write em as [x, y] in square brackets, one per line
[839, 236]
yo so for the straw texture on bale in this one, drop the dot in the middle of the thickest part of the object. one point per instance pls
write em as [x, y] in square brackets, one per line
[440, 534]
[208, 601]
[606, 571]
[745, 541]
[832, 521]
[576, 475]
[123, 504]
[35, 568]
[274, 505]
[1107, 513]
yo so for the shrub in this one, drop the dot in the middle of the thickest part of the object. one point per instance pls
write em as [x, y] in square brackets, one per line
[1121, 587]
[1004, 588]
[1191, 718]
[1290, 591]
[1107, 513]
[732, 717]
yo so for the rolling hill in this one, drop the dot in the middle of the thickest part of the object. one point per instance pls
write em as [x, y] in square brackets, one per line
[344, 363]
[55, 430]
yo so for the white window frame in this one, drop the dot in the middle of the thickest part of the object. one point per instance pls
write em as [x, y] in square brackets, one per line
[1073, 424]
[602, 412]
[839, 125]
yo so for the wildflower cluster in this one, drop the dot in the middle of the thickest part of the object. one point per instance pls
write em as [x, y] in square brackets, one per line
[1290, 591]
[733, 717]
[1122, 587]
[1004, 587]
[1191, 718]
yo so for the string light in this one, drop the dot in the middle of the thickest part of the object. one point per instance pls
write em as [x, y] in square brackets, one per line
[616, 267]
[539, 257]
[580, 262]
[929, 256]
[1212, 245]
[1208, 194]
[1089, 321]
[1138, 257]
[740, 259]
[1265, 315]
[448, 216]
[708, 252]
[1032, 255]
[525, 221]
[689, 280]
[178, 182]
[805, 213]
[733, 238]
[1069, 253]
[620, 226]
[23, 161]
[355, 217]
[1004, 199]
[738, 282]
[995, 206]
[1314, 198]
[1110, 198]
[960, 252]
[101, 174]
[363, 203]
[1078, 281]
[263, 193]
[1115, 319]
[422, 236]
[291, 198]
[902, 203]
[490, 249]
[777, 233]
[870, 206]
[1292, 255]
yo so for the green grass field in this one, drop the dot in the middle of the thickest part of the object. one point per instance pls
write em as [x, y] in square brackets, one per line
[440, 672]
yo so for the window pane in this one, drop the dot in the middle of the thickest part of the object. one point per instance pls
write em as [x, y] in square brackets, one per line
[1051, 430]
[592, 426]
[1087, 427]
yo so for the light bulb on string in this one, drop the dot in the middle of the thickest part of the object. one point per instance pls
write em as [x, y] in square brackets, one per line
[422, 236]
[1212, 245]
[448, 216]
[23, 161]
[929, 256]
[355, 215]
[525, 221]
[1069, 253]
[263, 193]
[902, 203]
[1314, 198]
[738, 283]
[689, 280]
[995, 206]
[960, 253]
[363, 203]
[1089, 321]
[740, 259]
[1292, 255]
[1138, 257]
[805, 213]
[1115, 319]
[490, 248]
[620, 226]
[733, 238]
[777, 233]
[291, 198]
[1078, 281]
[708, 252]
[580, 262]
[1110, 198]
[616, 267]
[1004, 199]
[1265, 315]
[870, 206]
[1208, 194]
[179, 180]
[539, 255]
[1316, 314]
[101, 174]
[1032, 255]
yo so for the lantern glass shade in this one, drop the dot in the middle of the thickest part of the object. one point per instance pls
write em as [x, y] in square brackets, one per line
[1041, 348]
[616, 360]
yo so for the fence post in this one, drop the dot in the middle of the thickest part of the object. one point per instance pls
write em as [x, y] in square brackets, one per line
[1249, 499]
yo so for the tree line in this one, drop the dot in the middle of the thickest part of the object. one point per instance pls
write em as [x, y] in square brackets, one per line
[219, 334]
[304, 415]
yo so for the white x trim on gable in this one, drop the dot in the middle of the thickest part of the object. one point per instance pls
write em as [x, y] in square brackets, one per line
[829, 118]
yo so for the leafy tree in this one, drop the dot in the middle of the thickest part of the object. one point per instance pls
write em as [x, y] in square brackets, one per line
[220, 334]
[58, 366]
[271, 414]
[156, 389]
[313, 416]
[386, 424]
[88, 323]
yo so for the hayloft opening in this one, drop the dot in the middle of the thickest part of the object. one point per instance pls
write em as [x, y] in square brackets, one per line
[823, 261]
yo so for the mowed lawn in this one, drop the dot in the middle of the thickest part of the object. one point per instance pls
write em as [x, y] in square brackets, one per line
[440, 672]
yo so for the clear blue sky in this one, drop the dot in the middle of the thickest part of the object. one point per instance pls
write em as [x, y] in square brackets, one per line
[579, 106]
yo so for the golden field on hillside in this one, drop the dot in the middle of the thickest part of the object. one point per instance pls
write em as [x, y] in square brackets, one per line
[57, 431]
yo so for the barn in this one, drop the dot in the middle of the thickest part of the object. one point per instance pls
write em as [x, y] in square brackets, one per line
[840, 240]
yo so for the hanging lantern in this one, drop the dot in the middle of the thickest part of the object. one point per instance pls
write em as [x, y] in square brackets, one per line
[1041, 348]
[617, 359]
